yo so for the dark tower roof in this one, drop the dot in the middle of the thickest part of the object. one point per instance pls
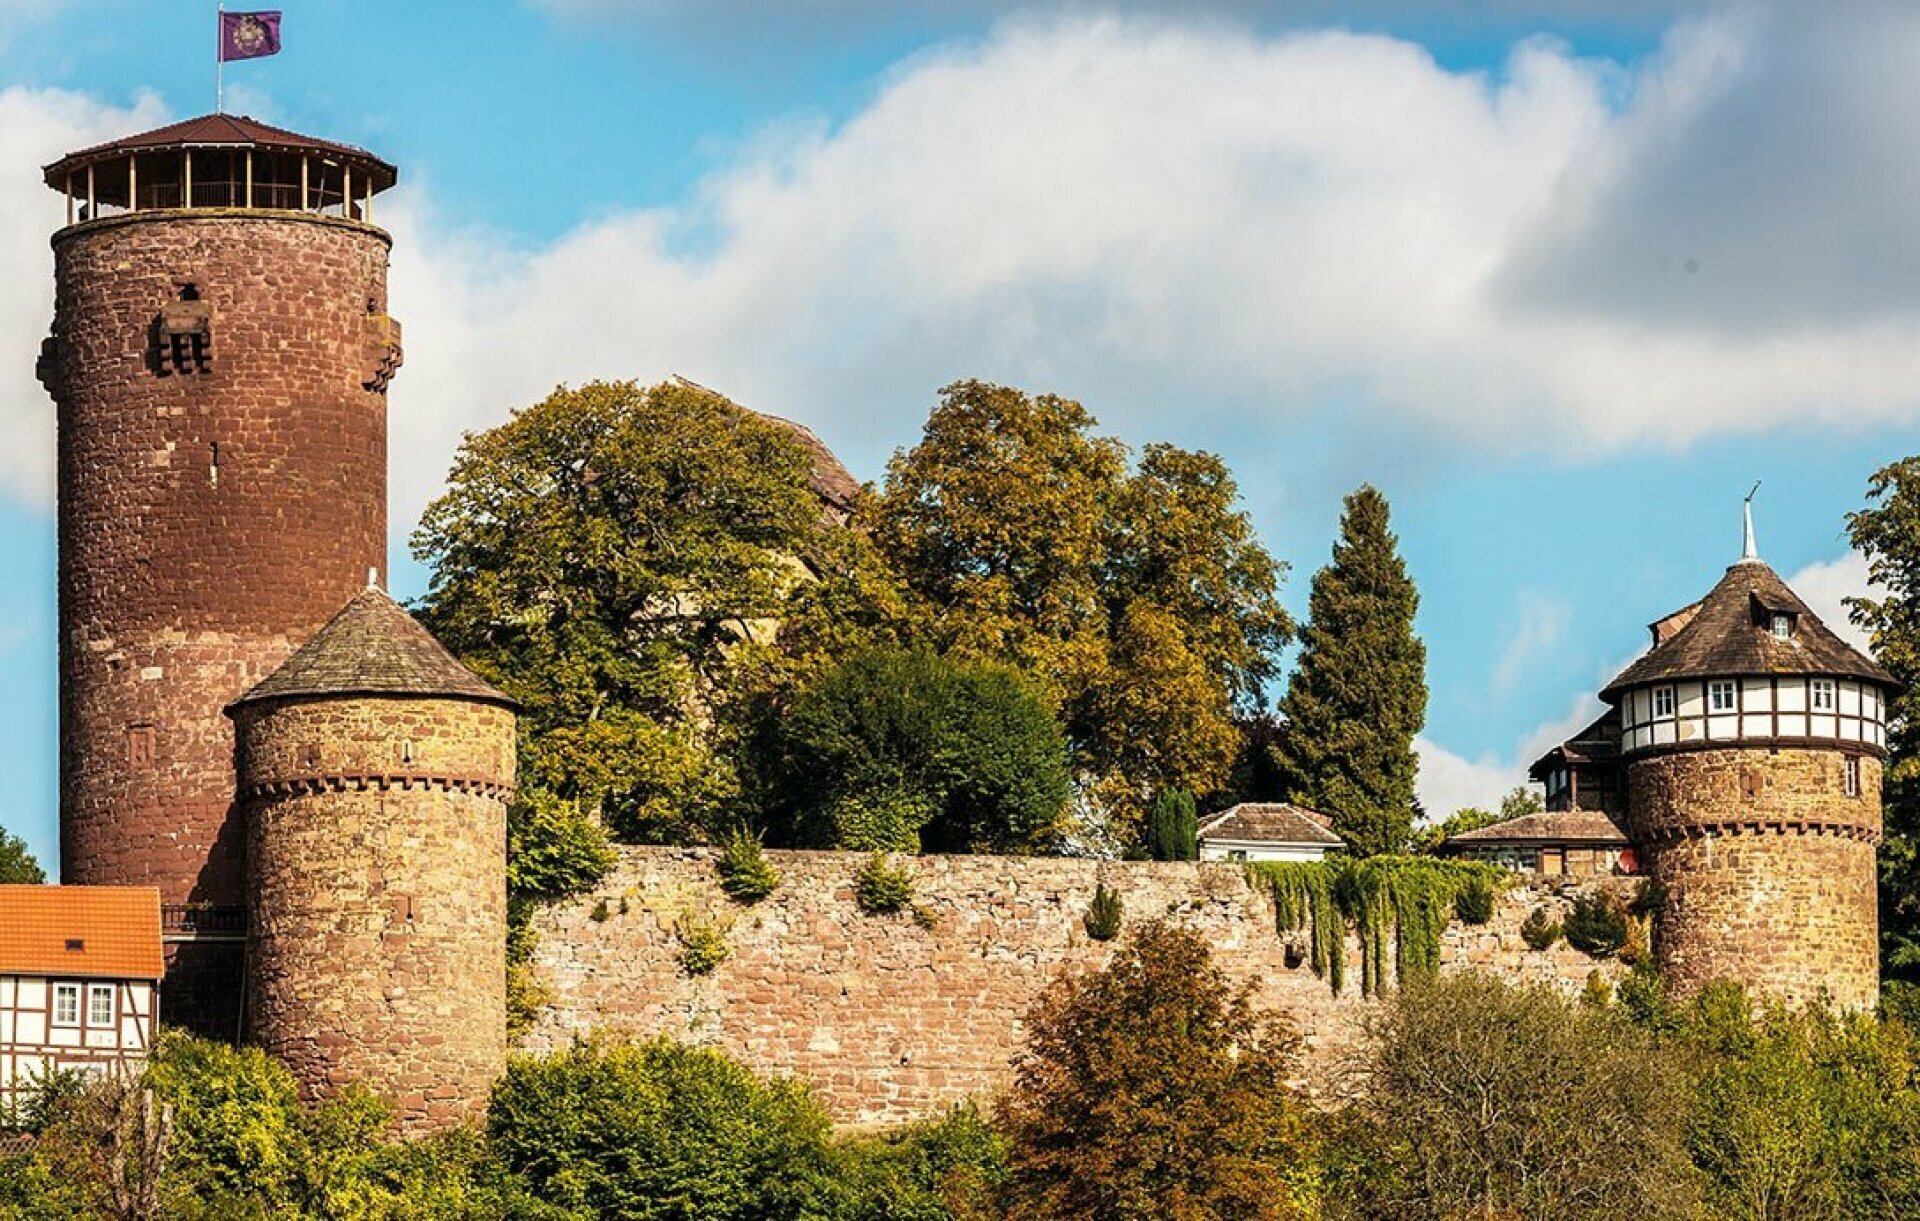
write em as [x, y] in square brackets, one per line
[372, 647]
[220, 131]
[1729, 635]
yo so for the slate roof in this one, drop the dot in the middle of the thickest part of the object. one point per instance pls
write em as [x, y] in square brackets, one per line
[1263, 822]
[1565, 827]
[219, 129]
[830, 480]
[1597, 743]
[1730, 636]
[373, 647]
[117, 929]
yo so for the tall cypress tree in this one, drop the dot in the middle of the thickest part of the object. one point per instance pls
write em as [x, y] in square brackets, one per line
[1359, 694]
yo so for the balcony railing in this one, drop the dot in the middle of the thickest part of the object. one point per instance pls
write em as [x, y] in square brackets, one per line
[202, 920]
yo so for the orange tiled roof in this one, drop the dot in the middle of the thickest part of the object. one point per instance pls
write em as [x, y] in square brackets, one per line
[117, 928]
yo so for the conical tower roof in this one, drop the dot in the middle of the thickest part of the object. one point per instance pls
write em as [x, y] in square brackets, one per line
[373, 647]
[1730, 636]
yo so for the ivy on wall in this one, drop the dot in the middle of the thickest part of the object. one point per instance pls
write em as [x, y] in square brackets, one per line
[1398, 905]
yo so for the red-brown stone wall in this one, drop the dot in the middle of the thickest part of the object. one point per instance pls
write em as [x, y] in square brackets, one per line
[377, 930]
[892, 1021]
[1768, 867]
[179, 587]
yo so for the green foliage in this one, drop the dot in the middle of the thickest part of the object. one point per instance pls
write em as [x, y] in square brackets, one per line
[946, 1169]
[1520, 801]
[1540, 930]
[659, 1132]
[1474, 903]
[1399, 906]
[1145, 599]
[703, 943]
[553, 849]
[1596, 993]
[745, 873]
[526, 994]
[1887, 532]
[1598, 924]
[17, 866]
[882, 887]
[1359, 695]
[608, 557]
[1104, 914]
[600, 912]
[902, 749]
[1153, 1089]
[1487, 1100]
[1173, 827]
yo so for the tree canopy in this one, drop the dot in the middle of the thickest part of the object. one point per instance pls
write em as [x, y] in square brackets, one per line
[901, 749]
[1359, 694]
[1141, 597]
[1887, 532]
[17, 866]
[621, 560]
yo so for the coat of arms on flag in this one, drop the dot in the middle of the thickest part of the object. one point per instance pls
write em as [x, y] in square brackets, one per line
[249, 35]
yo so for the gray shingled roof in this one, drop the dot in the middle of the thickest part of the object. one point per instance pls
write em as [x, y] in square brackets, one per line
[1269, 822]
[373, 647]
[1566, 826]
[1729, 636]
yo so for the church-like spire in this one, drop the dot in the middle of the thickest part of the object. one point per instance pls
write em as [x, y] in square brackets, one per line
[1749, 550]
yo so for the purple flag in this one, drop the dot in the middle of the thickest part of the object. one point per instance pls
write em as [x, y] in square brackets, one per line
[249, 35]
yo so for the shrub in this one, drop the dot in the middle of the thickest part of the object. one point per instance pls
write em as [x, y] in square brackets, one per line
[946, 1169]
[1154, 1089]
[526, 994]
[660, 1132]
[1103, 914]
[1649, 897]
[745, 873]
[1638, 947]
[553, 849]
[1597, 925]
[1597, 992]
[1457, 1120]
[703, 943]
[1173, 827]
[1474, 903]
[600, 911]
[882, 887]
[1540, 930]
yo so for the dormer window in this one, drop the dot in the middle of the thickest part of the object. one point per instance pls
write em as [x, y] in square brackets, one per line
[1782, 626]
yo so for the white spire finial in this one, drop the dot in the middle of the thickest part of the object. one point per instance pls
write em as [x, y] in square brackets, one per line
[1750, 550]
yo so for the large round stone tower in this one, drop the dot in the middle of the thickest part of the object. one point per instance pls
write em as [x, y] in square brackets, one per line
[374, 775]
[1752, 740]
[219, 356]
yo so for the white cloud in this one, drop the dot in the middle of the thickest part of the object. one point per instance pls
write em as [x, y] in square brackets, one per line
[1449, 782]
[1192, 220]
[1543, 621]
[1825, 586]
[36, 127]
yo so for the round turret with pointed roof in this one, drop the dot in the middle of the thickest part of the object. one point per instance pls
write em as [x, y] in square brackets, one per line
[373, 647]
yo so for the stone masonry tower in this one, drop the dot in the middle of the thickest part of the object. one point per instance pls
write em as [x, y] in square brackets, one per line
[1752, 739]
[220, 356]
[374, 776]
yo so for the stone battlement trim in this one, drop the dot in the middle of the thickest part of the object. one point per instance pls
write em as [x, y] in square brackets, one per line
[1761, 826]
[301, 786]
[189, 215]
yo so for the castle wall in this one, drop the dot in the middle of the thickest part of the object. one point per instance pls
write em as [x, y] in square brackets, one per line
[891, 1021]
[377, 854]
[1769, 870]
[185, 580]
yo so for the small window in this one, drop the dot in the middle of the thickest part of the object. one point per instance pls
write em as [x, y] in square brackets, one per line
[1720, 696]
[1823, 695]
[1853, 776]
[1662, 701]
[1782, 625]
[1236, 854]
[100, 1005]
[66, 1004]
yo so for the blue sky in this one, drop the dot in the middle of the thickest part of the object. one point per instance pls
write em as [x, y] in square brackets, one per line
[1562, 283]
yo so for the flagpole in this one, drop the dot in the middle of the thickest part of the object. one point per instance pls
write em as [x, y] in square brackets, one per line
[219, 57]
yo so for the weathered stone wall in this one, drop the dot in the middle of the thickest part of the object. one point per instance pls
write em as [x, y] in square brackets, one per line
[890, 1020]
[377, 858]
[1769, 869]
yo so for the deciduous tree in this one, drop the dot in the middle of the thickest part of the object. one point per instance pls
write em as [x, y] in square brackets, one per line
[17, 866]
